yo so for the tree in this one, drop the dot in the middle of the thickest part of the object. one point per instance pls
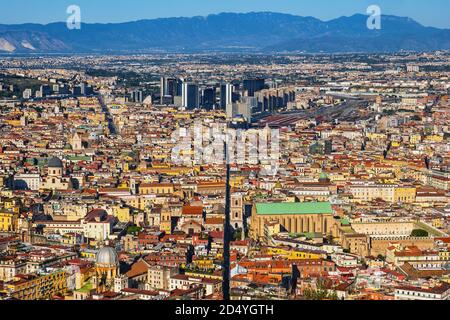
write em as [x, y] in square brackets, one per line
[134, 230]
[330, 239]
[419, 233]
[321, 293]
[333, 296]
[308, 294]
[380, 257]
[237, 235]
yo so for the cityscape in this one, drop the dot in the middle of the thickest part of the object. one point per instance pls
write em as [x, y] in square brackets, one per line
[237, 174]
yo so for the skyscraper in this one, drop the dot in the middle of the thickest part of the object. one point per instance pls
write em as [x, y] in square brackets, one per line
[163, 87]
[27, 93]
[137, 96]
[208, 98]
[179, 88]
[253, 85]
[190, 96]
[226, 95]
[45, 90]
[243, 108]
[82, 88]
[168, 89]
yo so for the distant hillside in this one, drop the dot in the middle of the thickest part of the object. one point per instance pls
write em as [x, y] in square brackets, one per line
[256, 31]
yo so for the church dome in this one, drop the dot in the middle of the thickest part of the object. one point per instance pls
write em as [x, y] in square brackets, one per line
[324, 177]
[55, 163]
[107, 256]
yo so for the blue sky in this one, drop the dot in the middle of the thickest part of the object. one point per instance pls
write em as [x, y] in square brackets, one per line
[428, 12]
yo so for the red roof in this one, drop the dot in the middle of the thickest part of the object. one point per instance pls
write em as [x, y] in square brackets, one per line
[191, 210]
[444, 240]
[216, 234]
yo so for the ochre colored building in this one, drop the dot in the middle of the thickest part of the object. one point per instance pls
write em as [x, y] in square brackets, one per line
[7, 219]
[34, 287]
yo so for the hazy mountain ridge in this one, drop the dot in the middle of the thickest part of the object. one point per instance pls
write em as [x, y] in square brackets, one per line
[258, 31]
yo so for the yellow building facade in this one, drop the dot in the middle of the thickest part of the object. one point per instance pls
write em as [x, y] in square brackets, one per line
[7, 221]
[405, 194]
[291, 254]
[156, 188]
[34, 287]
[122, 213]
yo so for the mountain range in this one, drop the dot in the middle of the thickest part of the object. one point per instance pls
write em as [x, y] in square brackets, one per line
[238, 32]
